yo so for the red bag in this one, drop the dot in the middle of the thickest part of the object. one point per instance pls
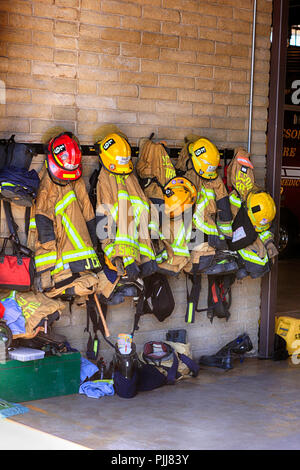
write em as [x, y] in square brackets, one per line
[16, 269]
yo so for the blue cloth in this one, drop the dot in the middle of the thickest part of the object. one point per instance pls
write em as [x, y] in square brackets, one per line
[87, 369]
[96, 389]
[21, 177]
[13, 315]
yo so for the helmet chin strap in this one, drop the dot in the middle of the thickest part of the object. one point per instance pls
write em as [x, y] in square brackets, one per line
[56, 181]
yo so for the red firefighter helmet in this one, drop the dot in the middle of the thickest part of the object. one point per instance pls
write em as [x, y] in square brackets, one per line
[63, 159]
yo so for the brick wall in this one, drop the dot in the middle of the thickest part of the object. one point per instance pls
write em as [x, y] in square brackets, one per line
[165, 66]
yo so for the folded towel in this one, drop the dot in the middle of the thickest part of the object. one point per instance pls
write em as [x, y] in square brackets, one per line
[96, 389]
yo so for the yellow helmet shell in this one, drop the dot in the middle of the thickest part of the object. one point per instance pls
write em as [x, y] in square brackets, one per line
[261, 209]
[115, 154]
[205, 158]
[180, 195]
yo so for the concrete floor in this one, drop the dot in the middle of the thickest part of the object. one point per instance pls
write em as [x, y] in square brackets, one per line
[254, 406]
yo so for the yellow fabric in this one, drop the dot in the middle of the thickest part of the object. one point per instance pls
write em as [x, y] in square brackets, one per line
[35, 307]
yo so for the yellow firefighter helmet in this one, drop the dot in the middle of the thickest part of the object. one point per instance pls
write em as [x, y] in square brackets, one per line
[205, 158]
[115, 154]
[261, 209]
[179, 195]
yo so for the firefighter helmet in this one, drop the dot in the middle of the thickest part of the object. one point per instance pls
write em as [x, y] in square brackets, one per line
[115, 154]
[205, 158]
[179, 195]
[261, 209]
[63, 158]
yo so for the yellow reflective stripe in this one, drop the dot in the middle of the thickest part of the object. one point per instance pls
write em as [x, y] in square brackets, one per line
[179, 242]
[146, 251]
[114, 211]
[133, 199]
[206, 228]
[153, 226]
[163, 256]
[264, 236]
[108, 249]
[127, 260]
[180, 251]
[190, 313]
[65, 202]
[209, 193]
[42, 260]
[73, 256]
[252, 257]
[235, 201]
[126, 241]
[32, 224]
[72, 233]
[226, 228]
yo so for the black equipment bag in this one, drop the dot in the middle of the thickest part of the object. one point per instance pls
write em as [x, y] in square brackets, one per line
[156, 298]
[14, 154]
[219, 296]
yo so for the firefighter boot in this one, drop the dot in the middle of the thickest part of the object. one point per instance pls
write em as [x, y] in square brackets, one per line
[224, 357]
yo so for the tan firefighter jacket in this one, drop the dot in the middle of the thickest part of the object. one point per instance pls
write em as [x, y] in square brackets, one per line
[241, 179]
[62, 232]
[36, 307]
[171, 249]
[123, 218]
[212, 217]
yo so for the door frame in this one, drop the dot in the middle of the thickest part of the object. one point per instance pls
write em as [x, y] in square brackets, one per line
[273, 165]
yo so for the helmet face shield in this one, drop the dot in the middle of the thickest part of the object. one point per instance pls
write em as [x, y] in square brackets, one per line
[180, 196]
[205, 158]
[63, 159]
[115, 154]
[261, 210]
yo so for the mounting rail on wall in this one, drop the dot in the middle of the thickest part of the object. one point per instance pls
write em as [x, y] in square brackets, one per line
[90, 150]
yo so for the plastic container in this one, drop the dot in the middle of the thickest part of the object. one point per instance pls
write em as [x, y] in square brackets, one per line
[289, 329]
[26, 354]
[124, 343]
[51, 376]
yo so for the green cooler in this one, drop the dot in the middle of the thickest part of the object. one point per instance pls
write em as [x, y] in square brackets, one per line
[41, 378]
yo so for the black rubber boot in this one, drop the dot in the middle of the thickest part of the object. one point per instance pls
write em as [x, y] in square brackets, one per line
[239, 345]
[224, 357]
[223, 362]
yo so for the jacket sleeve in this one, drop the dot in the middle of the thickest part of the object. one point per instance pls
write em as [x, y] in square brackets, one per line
[223, 215]
[105, 213]
[86, 209]
[45, 225]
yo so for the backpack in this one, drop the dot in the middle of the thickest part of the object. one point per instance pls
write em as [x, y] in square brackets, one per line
[156, 298]
[172, 359]
[219, 296]
[17, 183]
[15, 154]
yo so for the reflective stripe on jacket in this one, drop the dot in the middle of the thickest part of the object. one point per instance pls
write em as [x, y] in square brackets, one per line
[123, 217]
[62, 227]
